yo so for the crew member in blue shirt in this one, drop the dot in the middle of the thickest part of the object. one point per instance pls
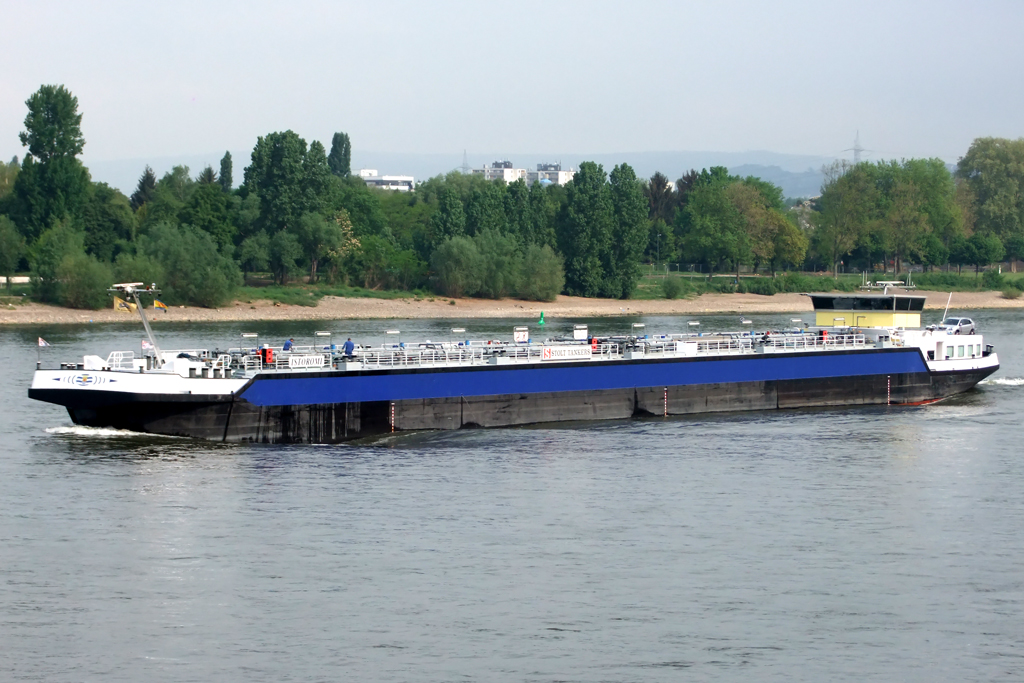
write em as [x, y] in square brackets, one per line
[349, 348]
[288, 345]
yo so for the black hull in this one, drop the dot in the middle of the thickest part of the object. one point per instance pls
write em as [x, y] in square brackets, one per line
[233, 419]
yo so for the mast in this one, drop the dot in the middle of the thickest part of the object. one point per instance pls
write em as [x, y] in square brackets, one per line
[131, 288]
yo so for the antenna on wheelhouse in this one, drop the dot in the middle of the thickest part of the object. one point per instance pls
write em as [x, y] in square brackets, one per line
[132, 289]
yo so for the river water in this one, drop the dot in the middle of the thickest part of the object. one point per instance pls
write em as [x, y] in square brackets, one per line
[865, 544]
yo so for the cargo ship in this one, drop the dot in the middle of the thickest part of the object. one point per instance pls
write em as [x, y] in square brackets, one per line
[863, 349]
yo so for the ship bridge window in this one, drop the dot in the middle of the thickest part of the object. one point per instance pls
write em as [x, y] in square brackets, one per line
[949, 352]
[959, 352]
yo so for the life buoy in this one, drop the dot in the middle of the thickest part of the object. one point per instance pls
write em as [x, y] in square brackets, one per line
[593, 344]
[270, 355]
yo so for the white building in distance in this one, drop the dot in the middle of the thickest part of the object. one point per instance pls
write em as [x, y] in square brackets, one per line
[501, 170]
[398, 183]
[545, 173]
[549, 173]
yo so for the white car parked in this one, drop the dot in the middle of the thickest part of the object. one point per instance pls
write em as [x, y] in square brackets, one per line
[957, 325]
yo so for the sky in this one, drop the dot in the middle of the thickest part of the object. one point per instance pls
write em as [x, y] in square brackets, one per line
[557, 78]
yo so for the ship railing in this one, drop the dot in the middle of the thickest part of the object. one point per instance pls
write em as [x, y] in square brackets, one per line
[441, 355]
[221, 362]
[804, 342]
[414, 357]
[252, 363]
[121, 360]
[725, 346]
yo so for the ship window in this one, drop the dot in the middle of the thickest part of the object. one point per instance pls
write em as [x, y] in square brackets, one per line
[949, 352]
[977, 350]
[959, 352]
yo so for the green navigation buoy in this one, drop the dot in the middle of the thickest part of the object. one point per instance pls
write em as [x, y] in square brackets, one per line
[541, 321]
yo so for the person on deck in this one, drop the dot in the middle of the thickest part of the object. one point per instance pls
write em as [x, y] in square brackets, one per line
[288, 344]
[349, 348]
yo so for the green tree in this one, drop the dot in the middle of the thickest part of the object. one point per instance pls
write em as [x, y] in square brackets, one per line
[545, 205]
[340, 160]
[12, 248]
[53, 126]
[936, 189]
[518, 210]
[457, 266]
[661, 243]
[629, 233]
[846, 204]
[543, 276]
[933, 251]
[52, 183]
[288, 179]
[1014, 250]
[195, 271]
[208, 209]
[661, 200]
[47, 254]
[986, 249]
[905, 222]
[791, 243]
[755, 220]
[449, 220]
[316, 182]
[107, 221]
[962, 252]
[684, 186]
[285, 252]
[138, 267]
[254, 253]
[362, 205]
[485, 209]
[207, 177]
[145, 190]
[172, 194]
[501, 263]
[8, 174]
[993, 170]
[227, 180]
[318, 237]
[772, 195]
[713, 228]
[584, 229]
[83, 281]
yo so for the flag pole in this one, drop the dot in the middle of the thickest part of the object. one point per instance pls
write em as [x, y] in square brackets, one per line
[132, 288]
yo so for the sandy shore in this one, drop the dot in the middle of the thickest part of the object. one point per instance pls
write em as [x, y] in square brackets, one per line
[336, 308]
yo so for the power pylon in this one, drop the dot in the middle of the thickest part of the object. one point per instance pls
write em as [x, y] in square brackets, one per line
[856, 149]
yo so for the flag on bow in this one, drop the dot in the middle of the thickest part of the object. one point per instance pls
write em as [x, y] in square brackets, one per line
[43, 342]
[159, 304]
[146, 345]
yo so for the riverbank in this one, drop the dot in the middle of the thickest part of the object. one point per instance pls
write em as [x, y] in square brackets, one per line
[337, 308]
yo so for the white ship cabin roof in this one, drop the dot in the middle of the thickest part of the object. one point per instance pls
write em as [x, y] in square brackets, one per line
[867, 310]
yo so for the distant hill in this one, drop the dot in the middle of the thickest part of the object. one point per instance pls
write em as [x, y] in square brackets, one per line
[797, 175]
[794, 185]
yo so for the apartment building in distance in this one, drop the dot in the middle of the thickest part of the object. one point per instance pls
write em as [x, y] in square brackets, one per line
[545, 173]
[549, 173]
[398, 183]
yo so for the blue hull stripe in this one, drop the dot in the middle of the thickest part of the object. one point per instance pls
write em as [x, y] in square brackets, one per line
[590, 376]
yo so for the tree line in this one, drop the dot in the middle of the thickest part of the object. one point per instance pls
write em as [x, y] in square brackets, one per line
[299, 214]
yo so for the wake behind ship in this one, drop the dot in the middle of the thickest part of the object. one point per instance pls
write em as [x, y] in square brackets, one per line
[322, 394]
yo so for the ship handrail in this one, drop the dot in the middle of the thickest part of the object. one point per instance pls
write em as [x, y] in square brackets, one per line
[117, 360]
